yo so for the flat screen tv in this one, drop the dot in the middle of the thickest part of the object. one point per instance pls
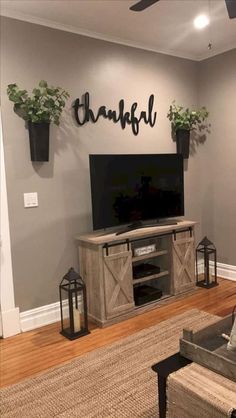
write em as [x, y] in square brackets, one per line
[136, 187]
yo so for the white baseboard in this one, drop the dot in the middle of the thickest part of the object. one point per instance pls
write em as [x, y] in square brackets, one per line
[226, 271]
[39, 317]
[10, 322]
[48, 314]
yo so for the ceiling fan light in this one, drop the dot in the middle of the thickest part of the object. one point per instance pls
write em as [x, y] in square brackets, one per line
[201, 21]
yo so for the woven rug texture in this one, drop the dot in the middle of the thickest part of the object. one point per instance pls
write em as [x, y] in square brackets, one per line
[111, 382]
[198, 392]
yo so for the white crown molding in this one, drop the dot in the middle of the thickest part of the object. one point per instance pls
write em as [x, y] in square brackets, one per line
[96, 35]
[214, 52]
[84, 32]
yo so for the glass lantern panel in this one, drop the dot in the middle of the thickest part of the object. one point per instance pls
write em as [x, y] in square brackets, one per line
[78, 310]
[65, 310]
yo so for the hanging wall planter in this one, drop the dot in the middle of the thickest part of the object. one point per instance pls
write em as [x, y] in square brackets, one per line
[182, 122]
[182, 142]
[39, 141]
[44, 106]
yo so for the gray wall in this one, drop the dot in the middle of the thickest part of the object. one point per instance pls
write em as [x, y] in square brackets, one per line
[217, 159]
[43, 246]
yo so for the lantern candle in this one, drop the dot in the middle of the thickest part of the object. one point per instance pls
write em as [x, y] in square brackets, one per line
[77, 325]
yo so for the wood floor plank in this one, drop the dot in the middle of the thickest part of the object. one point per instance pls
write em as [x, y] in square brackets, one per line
[32, 352]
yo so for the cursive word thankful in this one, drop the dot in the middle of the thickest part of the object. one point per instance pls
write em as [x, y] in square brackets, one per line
[84, 114]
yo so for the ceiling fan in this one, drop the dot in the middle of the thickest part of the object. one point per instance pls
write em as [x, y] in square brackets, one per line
[144, 4]
[231, 7]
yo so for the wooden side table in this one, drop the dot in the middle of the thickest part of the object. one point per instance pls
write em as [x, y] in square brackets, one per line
[163, 369]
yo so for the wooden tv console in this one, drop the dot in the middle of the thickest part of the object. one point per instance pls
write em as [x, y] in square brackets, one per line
[106, 265]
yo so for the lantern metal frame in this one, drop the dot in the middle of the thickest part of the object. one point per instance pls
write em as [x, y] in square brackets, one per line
[207, 248]
[73, 284]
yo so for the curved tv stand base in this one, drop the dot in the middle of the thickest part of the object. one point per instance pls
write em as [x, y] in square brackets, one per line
[140, 225]
[116, 290]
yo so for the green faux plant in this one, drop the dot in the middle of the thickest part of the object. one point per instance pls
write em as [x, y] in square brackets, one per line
[44, 105]
[184, 118]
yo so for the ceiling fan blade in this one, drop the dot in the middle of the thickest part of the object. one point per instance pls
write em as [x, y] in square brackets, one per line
[142, 4]
[231, 7]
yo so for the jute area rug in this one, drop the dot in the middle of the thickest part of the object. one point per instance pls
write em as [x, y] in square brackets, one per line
[111, 382]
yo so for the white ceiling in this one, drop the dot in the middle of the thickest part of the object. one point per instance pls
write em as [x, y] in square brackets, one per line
[166, 26]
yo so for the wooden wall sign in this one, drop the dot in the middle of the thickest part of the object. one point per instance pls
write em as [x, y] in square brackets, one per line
[84, 114]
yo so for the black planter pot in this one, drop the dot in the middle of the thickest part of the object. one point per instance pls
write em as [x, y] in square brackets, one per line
[39, 140]
[182, 141]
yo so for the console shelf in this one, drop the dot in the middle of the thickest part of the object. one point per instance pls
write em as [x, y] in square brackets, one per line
[106, 263]
[149, 255]
[151, 277]
[153, 303]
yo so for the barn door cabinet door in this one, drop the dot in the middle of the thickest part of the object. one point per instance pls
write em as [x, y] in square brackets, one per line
[183, 262]
[118, 285]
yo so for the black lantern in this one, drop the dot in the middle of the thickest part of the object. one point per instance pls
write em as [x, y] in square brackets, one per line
[208, 250]
[73, 304]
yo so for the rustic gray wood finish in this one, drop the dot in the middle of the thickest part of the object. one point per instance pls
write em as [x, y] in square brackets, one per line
[208, 348]
[108, 273]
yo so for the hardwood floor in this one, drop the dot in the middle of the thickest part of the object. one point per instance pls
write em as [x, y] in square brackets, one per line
[35, 351]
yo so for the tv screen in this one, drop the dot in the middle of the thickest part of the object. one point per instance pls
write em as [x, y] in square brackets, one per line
[131, 188]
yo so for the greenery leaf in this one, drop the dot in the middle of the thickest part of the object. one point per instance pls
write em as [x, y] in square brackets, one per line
[185, 118]
[43, 83]
[44, 105]
[36, 92]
